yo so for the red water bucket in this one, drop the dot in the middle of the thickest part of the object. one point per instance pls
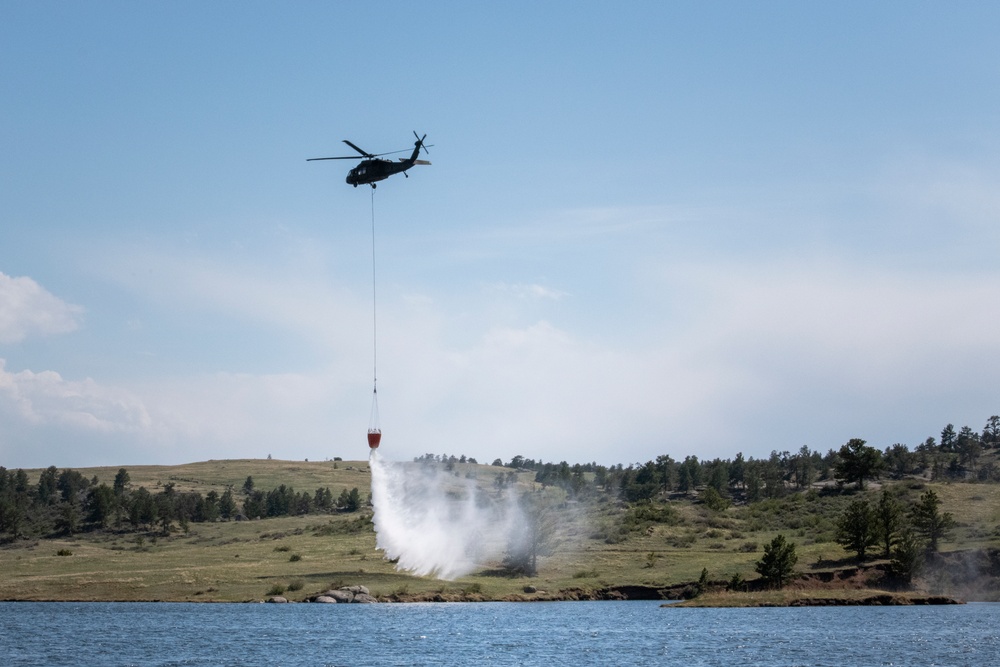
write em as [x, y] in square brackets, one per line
[374, 437]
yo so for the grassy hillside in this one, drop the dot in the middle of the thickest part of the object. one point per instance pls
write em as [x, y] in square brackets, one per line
[597, 541]
[207, 476]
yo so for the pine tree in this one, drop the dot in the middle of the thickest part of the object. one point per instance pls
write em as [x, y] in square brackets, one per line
[930, 523]
[775, 567]
[888, 520]
[856, 529]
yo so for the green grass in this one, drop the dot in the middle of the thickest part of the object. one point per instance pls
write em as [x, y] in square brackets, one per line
[267, 474]
[596, 544]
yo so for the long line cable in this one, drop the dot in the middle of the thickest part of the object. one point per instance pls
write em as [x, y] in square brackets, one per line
[374, 304]
[374, 426]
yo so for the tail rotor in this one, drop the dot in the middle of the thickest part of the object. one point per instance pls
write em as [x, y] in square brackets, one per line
[420, 142]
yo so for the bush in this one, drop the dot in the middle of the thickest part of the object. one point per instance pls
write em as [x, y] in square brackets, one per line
[296, 585]
[714, 500]
[64, 552]
[295, 558]
[277, 589]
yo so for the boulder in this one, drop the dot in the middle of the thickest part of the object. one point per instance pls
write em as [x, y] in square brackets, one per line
[340, 595]
[277, 598]
[345, 594]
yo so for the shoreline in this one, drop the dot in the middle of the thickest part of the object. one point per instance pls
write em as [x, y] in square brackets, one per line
[668, 596]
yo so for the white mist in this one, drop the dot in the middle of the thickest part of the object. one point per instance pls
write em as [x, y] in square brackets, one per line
[437, 524]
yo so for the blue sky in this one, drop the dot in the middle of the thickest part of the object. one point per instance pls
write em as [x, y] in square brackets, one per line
[649, 228]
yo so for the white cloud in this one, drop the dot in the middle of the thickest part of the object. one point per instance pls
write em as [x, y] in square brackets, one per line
[47, 398]
[45, 417]
[26, 309]
[757, 357]
[685, 351]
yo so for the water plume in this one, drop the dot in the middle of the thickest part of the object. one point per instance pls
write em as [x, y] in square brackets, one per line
[433, 523]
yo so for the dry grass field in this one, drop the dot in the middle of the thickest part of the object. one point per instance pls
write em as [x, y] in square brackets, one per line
[593, 545]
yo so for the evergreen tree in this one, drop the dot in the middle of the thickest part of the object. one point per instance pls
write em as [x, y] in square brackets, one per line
[71, 484]
[991, 432]
[227, 506]
[68, 519]
[930, 522]
[856, 528]
[754, 481]
[121, 482]
[969, 448]
[775, 567]
[48, 486]
[101, 503]
[209, 509]
[858, 462]
[737, 471]
[532, 538]
[948, 438]
[888, 521]
[907, 557]
[805, 470]
[142, 508]
[349, 501]
[255, 505]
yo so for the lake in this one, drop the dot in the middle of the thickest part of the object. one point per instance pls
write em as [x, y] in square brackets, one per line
[549, 633]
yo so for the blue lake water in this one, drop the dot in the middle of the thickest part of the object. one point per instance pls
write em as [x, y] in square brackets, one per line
[555, 633]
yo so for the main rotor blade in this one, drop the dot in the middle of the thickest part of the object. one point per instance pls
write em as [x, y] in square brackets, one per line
[342, 157]
[404, 150]
[365, 153]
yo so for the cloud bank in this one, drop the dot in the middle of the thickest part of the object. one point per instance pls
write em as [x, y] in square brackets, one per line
[27, 309]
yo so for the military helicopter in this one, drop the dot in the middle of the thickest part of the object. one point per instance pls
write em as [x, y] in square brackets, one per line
[373, 169]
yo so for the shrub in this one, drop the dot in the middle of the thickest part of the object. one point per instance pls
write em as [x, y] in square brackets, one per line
[277, 589]
[296, 585]
[294, 558]
[64, 552]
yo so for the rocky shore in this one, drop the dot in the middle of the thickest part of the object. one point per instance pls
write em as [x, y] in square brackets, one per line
[675, 594]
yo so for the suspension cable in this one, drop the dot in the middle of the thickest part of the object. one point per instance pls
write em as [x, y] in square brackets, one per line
[374, 307]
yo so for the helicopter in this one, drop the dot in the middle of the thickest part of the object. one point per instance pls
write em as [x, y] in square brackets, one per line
[373, 169]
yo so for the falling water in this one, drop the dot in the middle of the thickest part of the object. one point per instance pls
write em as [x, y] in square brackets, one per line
[437, 524]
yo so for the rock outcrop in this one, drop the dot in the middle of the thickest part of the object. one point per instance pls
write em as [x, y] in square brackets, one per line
[354, 594]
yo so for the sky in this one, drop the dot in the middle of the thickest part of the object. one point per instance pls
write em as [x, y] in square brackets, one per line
[684, 228]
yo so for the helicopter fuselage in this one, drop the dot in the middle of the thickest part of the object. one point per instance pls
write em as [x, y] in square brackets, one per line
[372, 171]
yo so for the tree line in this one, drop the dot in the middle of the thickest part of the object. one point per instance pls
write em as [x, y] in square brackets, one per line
[64, 502]
[956, 456]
